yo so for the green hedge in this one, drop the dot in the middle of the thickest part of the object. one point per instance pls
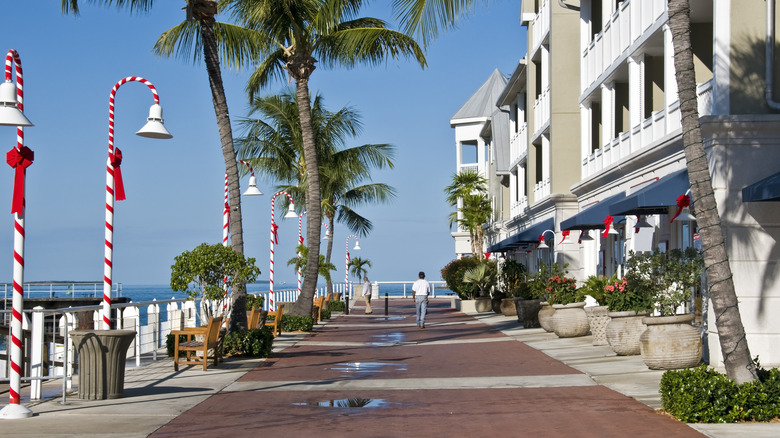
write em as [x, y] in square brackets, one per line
[249, 343]
[702, 395]
[293, 323]
[336, 306]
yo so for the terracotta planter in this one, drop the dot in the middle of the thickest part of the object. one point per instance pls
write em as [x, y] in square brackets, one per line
[545, 315]
[528, 312]
[670, 342]
[483, 304]
[570, 320]
[508, 307]
[623, 332]
[598, 318]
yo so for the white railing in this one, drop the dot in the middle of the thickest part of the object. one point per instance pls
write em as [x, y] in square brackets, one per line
[624, 28]
[518, 145]
[542, 189]
[659, 125]
[518, 207]
[403, 289]
[540, 26]
[542, 110]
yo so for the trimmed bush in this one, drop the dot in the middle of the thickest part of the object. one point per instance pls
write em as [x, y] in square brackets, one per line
[335, 306]
[293, 323]
[702, 395]
[453, 274]
[249, 343]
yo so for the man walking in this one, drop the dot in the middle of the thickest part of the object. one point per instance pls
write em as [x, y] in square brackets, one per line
[420, 290]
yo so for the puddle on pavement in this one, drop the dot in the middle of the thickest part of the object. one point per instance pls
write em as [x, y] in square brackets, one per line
[393, 318]
[348, 403]
[386, 339]
[357, 368]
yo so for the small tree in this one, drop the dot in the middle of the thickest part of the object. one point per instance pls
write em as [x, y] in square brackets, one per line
[205, 270]
[300, 262]
[357, 267]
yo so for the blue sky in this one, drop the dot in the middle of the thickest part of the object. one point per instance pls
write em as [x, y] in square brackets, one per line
[175, 188]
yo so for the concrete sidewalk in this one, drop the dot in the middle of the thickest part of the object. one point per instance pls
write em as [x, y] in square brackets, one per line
[464, 375]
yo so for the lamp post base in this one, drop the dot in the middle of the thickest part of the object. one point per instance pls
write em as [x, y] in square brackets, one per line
[14, 412]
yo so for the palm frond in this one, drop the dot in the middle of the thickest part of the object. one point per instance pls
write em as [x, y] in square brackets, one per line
[366, 45]
[425, 19]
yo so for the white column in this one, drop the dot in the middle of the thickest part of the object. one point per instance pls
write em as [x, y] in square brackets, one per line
[545, 157]
[585, 137]
[636, 89]
[721, 56]
[607, 113]
[670, 82]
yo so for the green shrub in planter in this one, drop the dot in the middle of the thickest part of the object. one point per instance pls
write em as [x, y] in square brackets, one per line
[702, 395]
[294, 323]
[326, 313]
[336, 306]
[170, 344]
[249, 343]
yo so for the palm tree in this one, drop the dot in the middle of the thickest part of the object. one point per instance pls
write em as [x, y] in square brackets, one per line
[731, 332]
[468, 192]
[301, 33]
[237, 46]
[323, 268]
[357, 266]
[274, 147]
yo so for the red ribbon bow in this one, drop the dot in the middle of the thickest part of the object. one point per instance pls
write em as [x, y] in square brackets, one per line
[541, 239]
[487, 256]
[116, 162]
[682, 202]
[582, 233]
[275, 227]
[636, 229]
[565, 235]
[20, 159]
[348, 259]
[607, 223]
[300, 239]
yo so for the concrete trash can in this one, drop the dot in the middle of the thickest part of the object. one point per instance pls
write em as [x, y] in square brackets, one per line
[102, 355]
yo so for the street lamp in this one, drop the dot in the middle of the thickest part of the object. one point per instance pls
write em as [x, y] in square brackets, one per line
[274, 240]
[683, 208]
[19, 157]
[252, 190]
[346, 269]
[542, 244]
[153, 128]
[300, 242]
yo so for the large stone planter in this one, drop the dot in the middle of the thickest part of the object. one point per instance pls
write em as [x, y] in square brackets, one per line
[623, 331]
[545, 315]
[528, 312]
[570, 320]
[483, 304]
[670, 342]
[508, 307]
[102, 356]
[598, 318]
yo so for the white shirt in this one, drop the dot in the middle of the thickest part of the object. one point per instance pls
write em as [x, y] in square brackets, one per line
[421, 287]
[366, 288]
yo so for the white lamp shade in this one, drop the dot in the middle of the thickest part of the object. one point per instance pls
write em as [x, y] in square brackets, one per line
[542, 245]
[252, 190]
[326, 236]
[154, 127]
[612, 230]
[291, 212]
[586, 237]
[10, 115]
[685, 215]
[642, 223]
[357, 246]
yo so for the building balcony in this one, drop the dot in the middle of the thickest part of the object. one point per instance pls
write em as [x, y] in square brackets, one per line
[542, 189]
[542, 110]
[540, 26]
[659, 125]
[627, 25]
[518, 145]
[518, 207]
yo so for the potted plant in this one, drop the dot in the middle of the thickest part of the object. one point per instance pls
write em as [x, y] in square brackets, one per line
[598, 315]
[569, 319]
[628, 300]
[452, 273]
[670, 341]
[540, 289]
[483, 276]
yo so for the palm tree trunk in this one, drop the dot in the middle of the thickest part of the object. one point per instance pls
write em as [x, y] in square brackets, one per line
[303, 305]
[329, 251]
[731, 333]
[211, 57]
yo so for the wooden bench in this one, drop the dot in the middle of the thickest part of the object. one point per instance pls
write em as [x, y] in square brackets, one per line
[318, 303]
[257, 318]
[276, 324]
[191, 347]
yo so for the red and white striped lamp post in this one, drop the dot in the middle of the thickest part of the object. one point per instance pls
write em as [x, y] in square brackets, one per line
[154, 128]
[346, 268]
[274, 240]
[19, 157]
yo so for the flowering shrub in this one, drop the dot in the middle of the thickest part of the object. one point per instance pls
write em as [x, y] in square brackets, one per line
[668, 277]
[562, 290]
[455, 270]
[619, 296]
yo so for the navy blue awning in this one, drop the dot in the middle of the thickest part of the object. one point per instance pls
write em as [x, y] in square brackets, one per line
[656, 198]
[768, 189]
[593, 216]
[530, 234]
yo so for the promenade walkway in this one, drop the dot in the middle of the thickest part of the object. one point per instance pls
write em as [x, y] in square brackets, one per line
[376, 376]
